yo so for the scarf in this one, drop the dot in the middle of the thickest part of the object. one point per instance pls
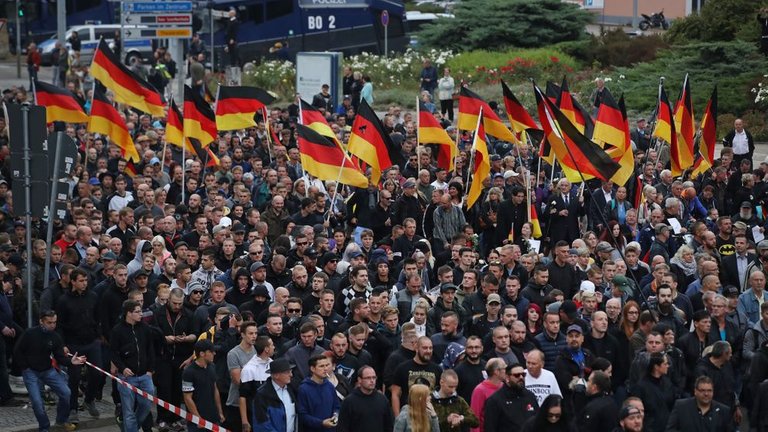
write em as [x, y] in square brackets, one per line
[688, 268]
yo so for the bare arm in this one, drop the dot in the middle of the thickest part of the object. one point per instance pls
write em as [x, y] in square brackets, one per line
[395, 391]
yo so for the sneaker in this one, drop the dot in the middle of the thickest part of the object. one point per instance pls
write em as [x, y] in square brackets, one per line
[68, 427]
[17, 385]
[92, 410]
[74, 417]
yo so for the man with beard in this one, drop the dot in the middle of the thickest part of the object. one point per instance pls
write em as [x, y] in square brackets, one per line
[298, 286]
[419, 370]
[761, 263]
[666, 312]
[470, 370]
[511, 406]
[178, 340]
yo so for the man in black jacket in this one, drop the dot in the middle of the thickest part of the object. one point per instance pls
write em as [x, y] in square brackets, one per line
[175, 323]
[365, 408]
[512, 405]
[77, 310]
[600, 414]
[33, 355]
[133, 355]
[700, 413]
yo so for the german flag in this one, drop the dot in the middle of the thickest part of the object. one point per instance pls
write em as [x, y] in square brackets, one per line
[482, 161]
[130, 169]
[681, 154]
[60, 104]
[325, 160]
[612, 129]
[369, 142]
[553, 91]
[576, 153]
[236, 107]
[106, 120]
[469, 110]
[205, 154]
[516, 112]
[199, 119]
[708, 135]
[665, 121]
[128, 87]
[574, 111]
[312, 117]
[174, 127]
[430, 132]
[536, 231]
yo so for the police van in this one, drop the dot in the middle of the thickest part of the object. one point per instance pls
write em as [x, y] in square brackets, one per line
[90, 35]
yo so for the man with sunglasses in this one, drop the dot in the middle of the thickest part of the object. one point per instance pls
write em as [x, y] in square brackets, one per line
[510, 407]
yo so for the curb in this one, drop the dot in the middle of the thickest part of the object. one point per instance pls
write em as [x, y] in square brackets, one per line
[103, 420]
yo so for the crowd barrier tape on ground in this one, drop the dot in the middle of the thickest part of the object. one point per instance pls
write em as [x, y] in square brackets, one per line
[200, 422]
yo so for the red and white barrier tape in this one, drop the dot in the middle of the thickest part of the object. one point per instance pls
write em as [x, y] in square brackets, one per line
[200, 422]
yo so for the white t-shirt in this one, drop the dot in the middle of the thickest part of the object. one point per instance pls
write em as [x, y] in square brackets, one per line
[543, 386]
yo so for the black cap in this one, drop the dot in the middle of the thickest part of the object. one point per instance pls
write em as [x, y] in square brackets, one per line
[140, 272]
[16, 260]
[628, 411]
[730, 291]
[260, 290]
[256, 266]
[447, 287]
[238, 227]
[180, 244]
[326, 258]
[568, 307]
[279, 365]
[311, 252]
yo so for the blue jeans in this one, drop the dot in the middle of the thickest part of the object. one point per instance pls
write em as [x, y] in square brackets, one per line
[134, 416]
[57, 381]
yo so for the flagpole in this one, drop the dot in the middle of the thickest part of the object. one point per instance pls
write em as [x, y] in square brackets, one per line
[335, 192]
[656, 144]
[472, 156]
[418, 140]
[184, 156]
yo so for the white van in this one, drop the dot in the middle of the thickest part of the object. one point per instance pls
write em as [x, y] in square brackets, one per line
[90, 36]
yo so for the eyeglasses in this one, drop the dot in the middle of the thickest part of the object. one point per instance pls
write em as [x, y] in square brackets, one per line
[301, 244]
[518, 375]
[256, 253]
[197, 292]
[294, 310]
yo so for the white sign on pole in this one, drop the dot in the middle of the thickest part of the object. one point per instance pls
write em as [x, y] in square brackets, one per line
[313, 69]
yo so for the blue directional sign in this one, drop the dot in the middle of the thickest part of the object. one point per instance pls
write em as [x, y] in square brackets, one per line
[159, 7]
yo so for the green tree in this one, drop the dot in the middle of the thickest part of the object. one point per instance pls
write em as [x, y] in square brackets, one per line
[721, 20]
[496, 24]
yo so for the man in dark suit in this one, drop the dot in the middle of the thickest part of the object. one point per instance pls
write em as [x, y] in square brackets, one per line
[641, 136]
[700, 413]
[599, 200]
[741, 141]
[511, 216]
[564, 208]
[735, 267]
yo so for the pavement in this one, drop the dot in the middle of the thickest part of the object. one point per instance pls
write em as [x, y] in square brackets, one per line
[22, 418]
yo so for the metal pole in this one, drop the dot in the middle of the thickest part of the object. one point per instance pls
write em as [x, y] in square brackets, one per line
[213, 48]
[61, 24]
[122, 31]
[18, 41]
[635, 20]
[52, 206]
[386, 40]
[28, 213]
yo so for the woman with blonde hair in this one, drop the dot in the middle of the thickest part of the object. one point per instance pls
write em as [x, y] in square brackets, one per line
[418, 415]
[159, 250]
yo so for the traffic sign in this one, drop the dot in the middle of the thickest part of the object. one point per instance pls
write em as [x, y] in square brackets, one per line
[158, 7]
[155, 19]
[159, 33]
[385, 18]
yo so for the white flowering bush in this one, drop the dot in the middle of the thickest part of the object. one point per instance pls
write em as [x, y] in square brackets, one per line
[761, 93]
[275, 75]
[396, 70]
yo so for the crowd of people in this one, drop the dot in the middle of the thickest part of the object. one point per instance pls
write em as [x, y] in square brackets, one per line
[263, 299]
